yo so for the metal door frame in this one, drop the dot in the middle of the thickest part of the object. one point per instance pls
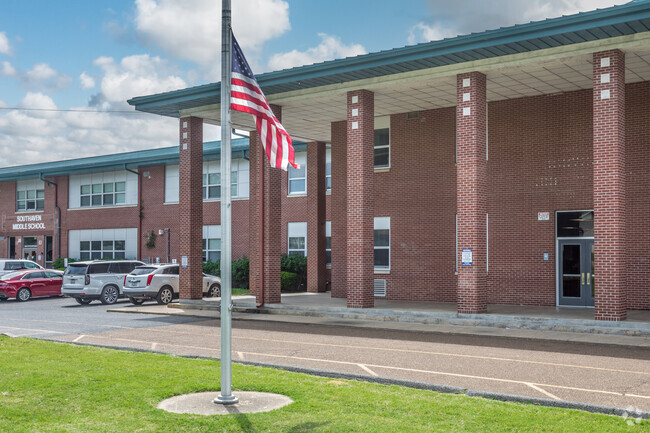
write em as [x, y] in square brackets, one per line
[585, 254]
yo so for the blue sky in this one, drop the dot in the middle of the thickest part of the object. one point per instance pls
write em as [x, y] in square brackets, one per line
[92, 55]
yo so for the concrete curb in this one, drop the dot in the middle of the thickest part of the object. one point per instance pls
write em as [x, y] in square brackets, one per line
[561, 404]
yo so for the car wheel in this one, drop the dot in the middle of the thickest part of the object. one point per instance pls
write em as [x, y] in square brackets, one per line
[214, 291]
[109, 295]
[23, 294]
[83, 301]
[165, 295]
[136, 301]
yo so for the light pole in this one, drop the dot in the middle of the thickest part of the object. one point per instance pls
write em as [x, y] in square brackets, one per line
[165, 232]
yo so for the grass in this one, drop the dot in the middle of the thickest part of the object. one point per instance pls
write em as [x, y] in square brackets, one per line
[239, 292]
[53, 387]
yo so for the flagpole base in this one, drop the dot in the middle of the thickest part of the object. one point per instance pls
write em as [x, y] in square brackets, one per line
[225, 399]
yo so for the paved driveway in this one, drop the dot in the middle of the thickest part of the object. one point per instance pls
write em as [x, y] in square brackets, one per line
[595, 374]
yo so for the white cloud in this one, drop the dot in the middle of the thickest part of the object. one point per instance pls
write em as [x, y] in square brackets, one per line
[330, 48]
[136, 75]
[5, 48]
[449, 19]
[86, 81]
[43, 77]
[191, 29]
[7, 69]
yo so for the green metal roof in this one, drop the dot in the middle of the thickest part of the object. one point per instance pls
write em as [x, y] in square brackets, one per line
[631, 18]
[132, 160]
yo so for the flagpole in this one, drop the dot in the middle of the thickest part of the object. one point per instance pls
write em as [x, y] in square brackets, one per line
[225, 396]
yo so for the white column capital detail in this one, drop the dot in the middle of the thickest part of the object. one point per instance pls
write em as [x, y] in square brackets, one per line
[467, 97]
[604, 62]
[355, 99]
[467, 111]
[355, 125]
[604, 94]
[466, 82]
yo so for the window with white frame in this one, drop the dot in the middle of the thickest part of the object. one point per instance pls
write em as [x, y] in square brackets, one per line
[212, 180]
[30, 195]
[109, 249]
[328, 243]
[298, 176]
[100, 189]
[211, 243]
[171, 184]
[382, 142]
[328, 170]
[103, 244]
[382, 243]
[297, 242]
[102, 194]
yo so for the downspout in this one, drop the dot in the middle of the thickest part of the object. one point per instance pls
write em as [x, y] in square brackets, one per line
[58, 215]
[137, 173]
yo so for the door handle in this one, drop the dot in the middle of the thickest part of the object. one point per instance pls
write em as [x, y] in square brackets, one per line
[583, 278]
[588, 278]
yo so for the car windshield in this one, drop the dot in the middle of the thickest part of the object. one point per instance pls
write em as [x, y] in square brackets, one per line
[143, 270]
[11, 275]
[76, 270]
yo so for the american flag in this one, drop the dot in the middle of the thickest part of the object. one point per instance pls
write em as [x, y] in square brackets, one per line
[246, 96]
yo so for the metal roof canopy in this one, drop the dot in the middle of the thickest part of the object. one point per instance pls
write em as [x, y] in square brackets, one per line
[594, 26]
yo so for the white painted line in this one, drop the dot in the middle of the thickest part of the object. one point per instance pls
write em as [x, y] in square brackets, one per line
[240, 355]
[369, 371]
[44, 331]
[637, 396]
[153, 346]
[78, 338]
[546, 393]
[456, 355]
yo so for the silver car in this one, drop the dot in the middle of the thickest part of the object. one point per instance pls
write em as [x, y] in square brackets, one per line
[11, 265]
[160, 282]
[99, 279]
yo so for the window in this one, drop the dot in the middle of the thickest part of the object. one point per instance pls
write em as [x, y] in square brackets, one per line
[103, 194]
[30, 195]
[298, 176]
[328, 243]
[382, 243]
[212, 180]
[106, 249]
[297, 242]
[382, 142]
[328, 170]
[211, 243]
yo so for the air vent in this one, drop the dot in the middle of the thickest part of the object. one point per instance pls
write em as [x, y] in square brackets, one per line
[413, 115]
[380, 288]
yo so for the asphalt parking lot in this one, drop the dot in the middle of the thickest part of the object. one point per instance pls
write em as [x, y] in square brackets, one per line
[605, 375]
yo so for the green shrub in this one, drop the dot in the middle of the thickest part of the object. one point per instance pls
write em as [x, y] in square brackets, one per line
[212, 268]
[59, 263]
[297, 265]
[290, 281]
[240, 270]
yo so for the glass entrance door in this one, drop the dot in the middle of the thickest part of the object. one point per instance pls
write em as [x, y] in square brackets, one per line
[576, 278]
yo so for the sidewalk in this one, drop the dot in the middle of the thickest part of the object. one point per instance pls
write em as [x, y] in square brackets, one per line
[511, 321]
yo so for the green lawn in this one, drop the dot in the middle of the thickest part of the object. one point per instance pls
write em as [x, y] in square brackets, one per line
[51, 387]
[239, 292]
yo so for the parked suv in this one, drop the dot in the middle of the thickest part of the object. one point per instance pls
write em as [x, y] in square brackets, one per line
[98, 279]
[11, 265]
[160, 282]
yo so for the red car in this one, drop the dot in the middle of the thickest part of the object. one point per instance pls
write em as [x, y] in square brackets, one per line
[26, 284]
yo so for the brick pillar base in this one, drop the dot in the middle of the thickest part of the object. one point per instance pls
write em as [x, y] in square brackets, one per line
[360, 205]
[339, 211]
[191, 207]
[609, 185]
[471, 191]
[316, 217]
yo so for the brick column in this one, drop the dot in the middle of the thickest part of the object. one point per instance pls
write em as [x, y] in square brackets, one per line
[471, 191]
[269, 222]
[316, 217]
[339, 210]
[360, 219]
[609, 185]
[191, 207]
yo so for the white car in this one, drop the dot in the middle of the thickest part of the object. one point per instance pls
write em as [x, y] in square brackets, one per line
[99, 279]
[11, 265]
[160, 282]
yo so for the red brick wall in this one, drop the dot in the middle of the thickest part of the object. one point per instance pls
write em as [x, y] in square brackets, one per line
[338, 212]
[637, 144]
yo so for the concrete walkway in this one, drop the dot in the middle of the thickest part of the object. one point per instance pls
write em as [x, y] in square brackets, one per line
[544, 323]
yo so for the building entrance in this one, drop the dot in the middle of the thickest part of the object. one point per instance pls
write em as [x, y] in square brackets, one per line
[575, 258]
[30, 245]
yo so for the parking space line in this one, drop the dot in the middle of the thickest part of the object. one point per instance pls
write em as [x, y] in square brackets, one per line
[546, 393]
[78, 338]
[240, 355]
[369, 371]
[42, 331]
[424, 352]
